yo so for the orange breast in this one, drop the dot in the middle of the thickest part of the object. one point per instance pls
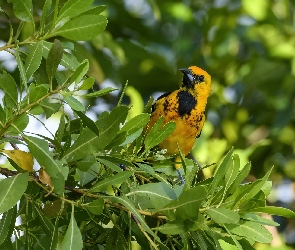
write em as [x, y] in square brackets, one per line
[183, 136]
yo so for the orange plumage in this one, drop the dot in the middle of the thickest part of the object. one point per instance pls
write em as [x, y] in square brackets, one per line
[186, 107]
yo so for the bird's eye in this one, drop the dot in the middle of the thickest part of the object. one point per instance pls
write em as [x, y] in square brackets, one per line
[199, 78]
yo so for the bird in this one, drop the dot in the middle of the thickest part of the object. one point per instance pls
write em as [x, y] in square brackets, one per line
[186, 107]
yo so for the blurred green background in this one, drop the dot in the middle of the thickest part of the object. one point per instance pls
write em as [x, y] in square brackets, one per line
[248, 47]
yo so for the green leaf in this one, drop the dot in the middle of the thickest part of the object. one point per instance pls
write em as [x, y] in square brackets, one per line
[199, 240]
[221, 171]
[191, 172]
[88, 122]
[280, 211]
[61, 129]
[73, 8]
[128, 139]
[37, 92]
[19, 125]
[260, 220]
[33, 59]
[73, 238]
[54, 58]
[80, 72]
[23, 10]
[245, 193]
[45, 222]
[58, 181]
[11, 190]
[159, 194]
[109, 125]
[91, 174]
[130, 206]
[82, 28]
[223, 215]
[117, 179]
[95, 11]
[234, 239]
[100, 92]
[44, 15]
[251, 230]
[96, 207]
[157, 134]
[87, 84]
[110, 164]
[240, 177]
[147, 168]
[232, 171]
[193, 224]
[8, 86]
[68, 61]
[136, 123]
[50, 108]
[85, 144]
[86, 163]
[172, 228]
[266, 189]
[74, 103]
[186, 205]
[39, 149]
[22, 70]
[7, 224]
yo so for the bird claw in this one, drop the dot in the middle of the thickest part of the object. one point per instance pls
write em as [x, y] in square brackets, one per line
[180, 177]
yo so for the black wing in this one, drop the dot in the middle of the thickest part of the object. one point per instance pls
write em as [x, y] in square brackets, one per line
[160, 97]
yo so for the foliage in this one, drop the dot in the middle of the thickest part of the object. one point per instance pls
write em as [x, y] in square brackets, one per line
[80, 196]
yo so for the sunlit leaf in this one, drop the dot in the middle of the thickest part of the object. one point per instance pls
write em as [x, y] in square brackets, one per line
[87, 84]
[23, 159]
[74, 103]
[80, 72]
[280, 211]
[82, 27]
[251, 230]
[223, 215]
[221, 170]
[72, 8]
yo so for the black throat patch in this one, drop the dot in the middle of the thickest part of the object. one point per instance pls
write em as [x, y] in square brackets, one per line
[187, 102]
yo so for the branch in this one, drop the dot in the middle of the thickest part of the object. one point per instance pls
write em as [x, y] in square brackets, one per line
[83, 192]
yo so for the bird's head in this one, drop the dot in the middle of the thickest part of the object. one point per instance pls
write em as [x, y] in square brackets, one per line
[196, 79]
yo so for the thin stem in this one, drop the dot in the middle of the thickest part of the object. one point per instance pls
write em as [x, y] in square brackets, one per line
[122, 94]
[3, 130]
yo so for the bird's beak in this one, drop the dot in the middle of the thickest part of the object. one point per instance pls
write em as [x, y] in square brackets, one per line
[185, 71]
[188, 80]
